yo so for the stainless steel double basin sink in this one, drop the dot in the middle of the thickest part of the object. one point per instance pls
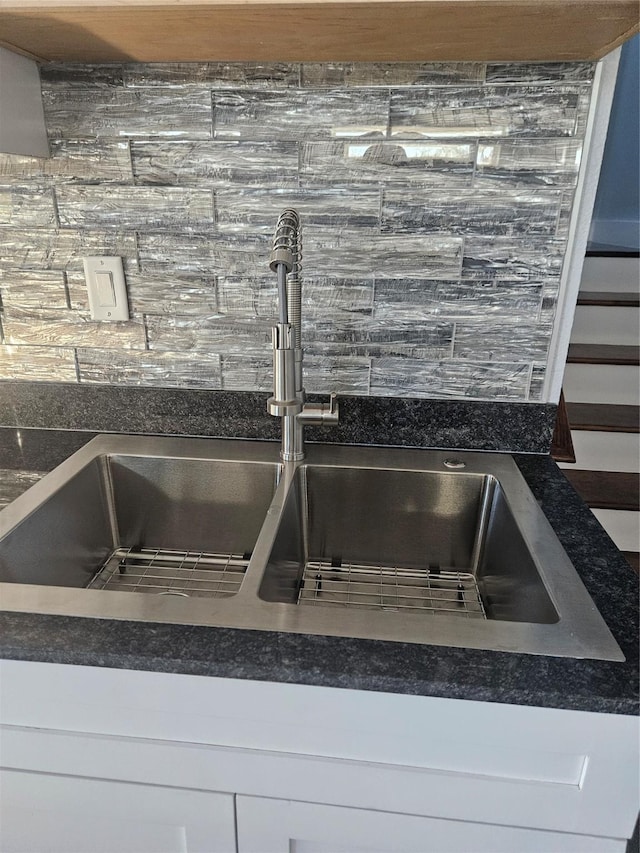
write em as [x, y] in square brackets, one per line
[429, 547]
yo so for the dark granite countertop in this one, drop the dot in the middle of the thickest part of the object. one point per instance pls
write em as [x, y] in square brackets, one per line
[586, 685]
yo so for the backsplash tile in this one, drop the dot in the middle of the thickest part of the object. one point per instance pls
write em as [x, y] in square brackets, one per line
[111, 111]
[216, 164]
[38, 363]
[68, 329]
[391, 377]
[444, 164]
[40, 249]
[435, 201]
[135, 208]
[531, 111]
[331, 74]
[33, 289]
[163, 369]
[92, 161]
[298, 115]
[24, 208]
[496, 210]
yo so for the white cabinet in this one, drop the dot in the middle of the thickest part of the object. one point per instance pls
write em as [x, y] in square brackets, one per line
[286, 826]
[47, 813]
[96, 752]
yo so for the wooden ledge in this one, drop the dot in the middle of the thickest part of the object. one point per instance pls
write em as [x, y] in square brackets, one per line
[317, 30]
[619, 354]
[606, 489]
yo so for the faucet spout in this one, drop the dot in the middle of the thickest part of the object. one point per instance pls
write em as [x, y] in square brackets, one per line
[288, 400]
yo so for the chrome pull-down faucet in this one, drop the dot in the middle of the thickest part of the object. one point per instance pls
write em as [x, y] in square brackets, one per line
[289, 399]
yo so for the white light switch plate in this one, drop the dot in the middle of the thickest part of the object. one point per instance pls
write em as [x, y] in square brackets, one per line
[106, 287]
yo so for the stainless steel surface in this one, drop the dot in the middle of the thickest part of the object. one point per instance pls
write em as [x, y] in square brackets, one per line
[420, 521]
[121, 500]
[288, 400]
[162, 572]
[396, 517]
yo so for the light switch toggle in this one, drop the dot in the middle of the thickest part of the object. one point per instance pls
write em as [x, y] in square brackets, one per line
[106, 288]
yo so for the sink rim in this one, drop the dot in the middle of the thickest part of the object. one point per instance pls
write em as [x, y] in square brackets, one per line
[572, 636]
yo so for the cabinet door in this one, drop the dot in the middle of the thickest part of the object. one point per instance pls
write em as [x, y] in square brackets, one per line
[45, 813]
[286, 826]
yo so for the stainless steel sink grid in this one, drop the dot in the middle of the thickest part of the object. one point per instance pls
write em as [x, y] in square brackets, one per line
[164, 572]
[384, 588]
[222, 533]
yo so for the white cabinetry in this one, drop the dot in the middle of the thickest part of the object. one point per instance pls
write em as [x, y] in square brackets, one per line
[281, 826]
[65, 814]
[311, 769]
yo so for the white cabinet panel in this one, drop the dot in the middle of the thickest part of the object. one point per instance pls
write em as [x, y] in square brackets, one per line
[285, 826]
[485, 764]
[46, 813]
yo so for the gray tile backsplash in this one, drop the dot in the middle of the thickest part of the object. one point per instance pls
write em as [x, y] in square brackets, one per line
[435, 201]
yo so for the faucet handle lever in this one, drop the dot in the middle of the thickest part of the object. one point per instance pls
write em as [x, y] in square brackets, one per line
[321, 414]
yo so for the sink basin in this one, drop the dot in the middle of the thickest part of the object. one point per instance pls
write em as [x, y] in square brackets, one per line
[428, 542]
[411, 546]
[151, 524]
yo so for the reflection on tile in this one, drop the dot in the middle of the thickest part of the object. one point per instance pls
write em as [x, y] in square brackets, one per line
[135, 207]
[582, 113]
[218, 75]
[164, 369]
[518, 259]
[432, 163]
[60, 250]
[396, 377]
[566, 212]
[534, 111]
[329, 74]
[537, 382]
[67, 329]
[254, 211]
[27, 208]
[413, 299]
[214, 334]
[540, 72]
[37, 364]
[297, 115]
[88, 160]
[501, 341]
[370, 338]
[13, 483]
[385, 256]
[545, 162]
[171, 294]
[33, 289]
[273, 164]
[550, 295]
[488, 211]
[72, 113]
